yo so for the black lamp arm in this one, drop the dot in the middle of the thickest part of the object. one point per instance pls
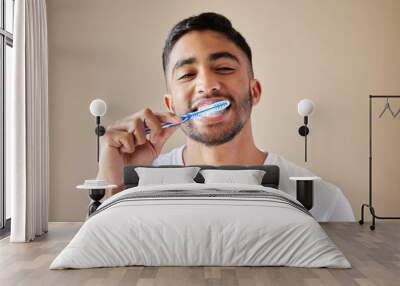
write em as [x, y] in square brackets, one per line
[305, 120]
[100, 131]
[303, 131]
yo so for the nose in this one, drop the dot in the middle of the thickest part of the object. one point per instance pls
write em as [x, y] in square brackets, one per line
[207, 83]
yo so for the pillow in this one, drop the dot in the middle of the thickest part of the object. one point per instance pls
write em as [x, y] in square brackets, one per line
[249, 177]
[162, 176]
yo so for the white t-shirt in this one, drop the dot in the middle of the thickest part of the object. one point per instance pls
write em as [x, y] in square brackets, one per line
[330, 204]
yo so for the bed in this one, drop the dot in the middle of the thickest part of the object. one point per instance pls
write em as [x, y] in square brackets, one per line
[201, 224]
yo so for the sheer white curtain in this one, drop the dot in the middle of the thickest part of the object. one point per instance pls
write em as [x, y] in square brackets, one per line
[29, 151]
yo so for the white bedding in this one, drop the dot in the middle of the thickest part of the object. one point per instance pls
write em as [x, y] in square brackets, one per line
[182, 231]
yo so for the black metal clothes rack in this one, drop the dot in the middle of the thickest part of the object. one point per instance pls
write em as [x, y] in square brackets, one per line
[370, 204]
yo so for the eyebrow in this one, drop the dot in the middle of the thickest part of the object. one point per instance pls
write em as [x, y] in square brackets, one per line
[183, 62]
[212, 57]
[226, 55]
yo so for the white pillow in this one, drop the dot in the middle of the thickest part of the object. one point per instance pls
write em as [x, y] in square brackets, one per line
[162, 176]
[249, 177]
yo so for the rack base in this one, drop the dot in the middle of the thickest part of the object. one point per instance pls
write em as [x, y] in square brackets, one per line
[374, 216]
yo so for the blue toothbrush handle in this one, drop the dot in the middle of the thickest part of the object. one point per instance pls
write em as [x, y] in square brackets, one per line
[217, 106]
[167, 124]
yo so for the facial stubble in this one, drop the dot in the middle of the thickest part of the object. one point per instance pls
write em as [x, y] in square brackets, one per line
[222, 134]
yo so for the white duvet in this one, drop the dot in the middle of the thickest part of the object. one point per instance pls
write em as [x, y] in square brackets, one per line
[183, 231]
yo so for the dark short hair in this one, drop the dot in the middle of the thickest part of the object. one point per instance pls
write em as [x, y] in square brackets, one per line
[205, 21]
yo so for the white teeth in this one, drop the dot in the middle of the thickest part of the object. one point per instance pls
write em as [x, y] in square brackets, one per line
[212, 112]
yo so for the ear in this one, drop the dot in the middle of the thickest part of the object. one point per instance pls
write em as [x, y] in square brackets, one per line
[168, 103]
[255, 87]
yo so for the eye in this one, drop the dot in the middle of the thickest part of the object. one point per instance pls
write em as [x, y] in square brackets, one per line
[185, 76]
[225, 69]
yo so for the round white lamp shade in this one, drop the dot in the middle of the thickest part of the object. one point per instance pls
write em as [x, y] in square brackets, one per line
[305, 107]
[98, 107]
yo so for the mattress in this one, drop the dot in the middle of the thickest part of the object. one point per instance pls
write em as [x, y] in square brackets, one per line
[201, 225]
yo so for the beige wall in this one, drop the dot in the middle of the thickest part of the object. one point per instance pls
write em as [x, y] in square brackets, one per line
[333, 52]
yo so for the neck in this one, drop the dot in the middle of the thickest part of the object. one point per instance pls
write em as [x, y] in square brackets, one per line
[241, 150]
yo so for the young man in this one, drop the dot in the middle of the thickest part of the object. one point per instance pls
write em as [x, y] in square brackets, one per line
[206, 60]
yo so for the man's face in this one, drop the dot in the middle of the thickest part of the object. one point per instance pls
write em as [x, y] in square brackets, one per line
[205, 67]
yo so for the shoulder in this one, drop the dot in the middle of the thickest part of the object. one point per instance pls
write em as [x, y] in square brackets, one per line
[173, 157]
[286, 166]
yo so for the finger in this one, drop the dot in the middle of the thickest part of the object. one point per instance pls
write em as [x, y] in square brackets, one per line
[138, 132]
[169, 117]
[109, 139]
[121, 140]
[126, 141]
[125, 124]
[152, 121]
[165, 131]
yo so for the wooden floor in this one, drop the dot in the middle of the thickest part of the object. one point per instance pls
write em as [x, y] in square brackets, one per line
[374, 255]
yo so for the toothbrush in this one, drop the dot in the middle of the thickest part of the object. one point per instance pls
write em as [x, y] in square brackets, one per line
[209, 109]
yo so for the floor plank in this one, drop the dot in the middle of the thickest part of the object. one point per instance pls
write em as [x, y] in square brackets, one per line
[374, 255]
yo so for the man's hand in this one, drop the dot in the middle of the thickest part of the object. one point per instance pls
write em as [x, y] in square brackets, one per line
[126, 143]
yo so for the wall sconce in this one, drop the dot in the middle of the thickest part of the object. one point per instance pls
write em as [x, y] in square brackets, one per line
[304, 108]
[98, 108]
